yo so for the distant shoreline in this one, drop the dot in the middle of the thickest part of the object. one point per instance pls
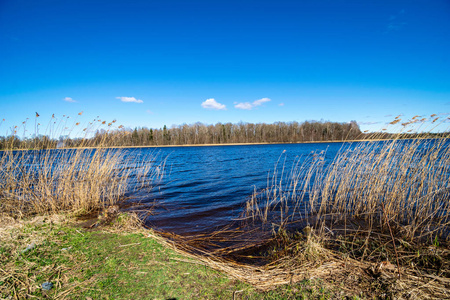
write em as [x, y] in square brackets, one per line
[225, 144]
[249, 144]
[234, 144]
[209, 145]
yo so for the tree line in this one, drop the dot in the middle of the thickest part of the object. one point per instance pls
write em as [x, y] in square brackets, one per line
[197, 134]
[226, 133]
[201, 134]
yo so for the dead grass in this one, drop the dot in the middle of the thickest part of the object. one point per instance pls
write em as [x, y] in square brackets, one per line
[19, 276]
[375, 219]
[20, 279]
[80, 180]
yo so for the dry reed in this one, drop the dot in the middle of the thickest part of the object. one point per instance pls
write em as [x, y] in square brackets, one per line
[375, 218]
[79, 180]
[399, 182]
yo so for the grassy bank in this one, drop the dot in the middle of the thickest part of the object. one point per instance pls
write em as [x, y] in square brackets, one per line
[120, 260]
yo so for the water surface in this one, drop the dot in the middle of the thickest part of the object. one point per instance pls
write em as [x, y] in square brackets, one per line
[206, 186]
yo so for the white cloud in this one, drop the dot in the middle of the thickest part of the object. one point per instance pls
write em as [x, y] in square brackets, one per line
[244, 105]
[249, 106]
[281, 104]
[149, 112]
[213, 104]
[130, 99]
[68, 99]
[260, 101]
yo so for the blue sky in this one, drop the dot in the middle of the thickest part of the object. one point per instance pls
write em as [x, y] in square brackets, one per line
[155, 63]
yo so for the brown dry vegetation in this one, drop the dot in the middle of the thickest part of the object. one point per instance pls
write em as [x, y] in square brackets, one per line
[375, 220]
[78, 180]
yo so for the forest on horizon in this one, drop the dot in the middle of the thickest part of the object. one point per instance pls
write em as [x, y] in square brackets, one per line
[201, 134]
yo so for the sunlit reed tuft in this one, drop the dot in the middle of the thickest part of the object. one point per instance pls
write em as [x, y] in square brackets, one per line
[79, 180]
[398, 182]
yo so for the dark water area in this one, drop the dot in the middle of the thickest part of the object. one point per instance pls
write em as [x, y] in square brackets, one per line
[206, 187]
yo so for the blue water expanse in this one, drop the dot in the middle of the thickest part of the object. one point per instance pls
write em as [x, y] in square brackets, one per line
[205, 187]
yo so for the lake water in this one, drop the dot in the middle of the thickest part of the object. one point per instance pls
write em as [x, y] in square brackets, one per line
[205, 187]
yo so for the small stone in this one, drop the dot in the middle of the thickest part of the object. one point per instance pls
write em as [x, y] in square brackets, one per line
[47, 286]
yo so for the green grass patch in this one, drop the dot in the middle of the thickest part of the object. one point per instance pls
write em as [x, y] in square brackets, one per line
[85, 264]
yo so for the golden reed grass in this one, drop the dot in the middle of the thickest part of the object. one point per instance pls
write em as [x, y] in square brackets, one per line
[375, 220]
[400, 182]
[79, 180]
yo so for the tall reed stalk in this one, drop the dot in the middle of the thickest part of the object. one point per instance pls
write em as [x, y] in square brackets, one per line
[378, 184]
[80, 180]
